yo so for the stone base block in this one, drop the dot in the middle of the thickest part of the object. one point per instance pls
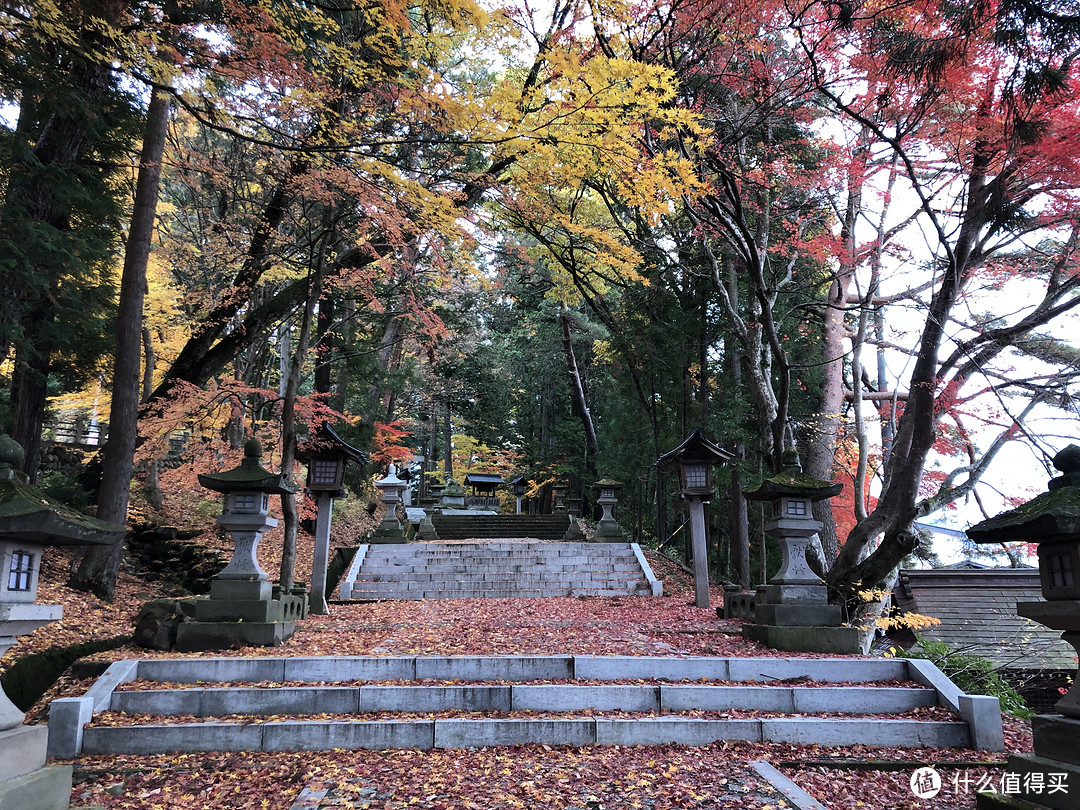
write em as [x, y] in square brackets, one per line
[834, 640]
[1040, 784]
[240, 589]
[22, 750]
[44, 789]
[798, 615]
[284, 609]
[216, 609]
[1057, 738]
[387, 535]
[800, 594]
[199, 636]
[608, 531]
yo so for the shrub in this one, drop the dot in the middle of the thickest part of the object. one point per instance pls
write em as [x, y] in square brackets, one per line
[974, 675]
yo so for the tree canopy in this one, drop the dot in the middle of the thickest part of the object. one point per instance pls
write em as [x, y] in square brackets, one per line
[565, 237]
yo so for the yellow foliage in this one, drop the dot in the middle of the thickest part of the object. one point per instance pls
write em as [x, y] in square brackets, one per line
[912, 621]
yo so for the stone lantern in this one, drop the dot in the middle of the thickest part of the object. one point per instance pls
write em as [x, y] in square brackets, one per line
[29, 521]
[390, 489]
[1051, 520]
[607, 530]
[241, 608]
[793, 612]
[695, 458]
[327, 456]
[518, 486]
[452, 495]
[559, 491]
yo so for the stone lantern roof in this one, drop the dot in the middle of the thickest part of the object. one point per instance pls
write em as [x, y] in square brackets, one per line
[1053, 514]
[695, 445]
[249, 476]
[607, 483]
[28, 514]
[326, 441]
[792, 482]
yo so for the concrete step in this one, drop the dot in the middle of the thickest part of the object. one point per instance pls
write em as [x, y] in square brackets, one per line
[325, 735]
[349, 686]
[463, 527]
[341, 700]
[524, 572]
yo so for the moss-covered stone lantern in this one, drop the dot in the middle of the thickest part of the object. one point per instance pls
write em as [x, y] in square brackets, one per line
[793, 612]
[242, 608]
[452, 495]
[607, 495]
[1052, 521]
[30, 521]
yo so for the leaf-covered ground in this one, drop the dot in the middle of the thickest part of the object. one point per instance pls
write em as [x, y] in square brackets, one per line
[594, 778]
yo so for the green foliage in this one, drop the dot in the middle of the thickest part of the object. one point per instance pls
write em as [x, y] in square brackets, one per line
[973, 674]
[30, 677]
[58, 486]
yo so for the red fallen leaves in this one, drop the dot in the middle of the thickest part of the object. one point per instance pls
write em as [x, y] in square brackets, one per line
[533, 777]
[541, 777]
[113, 718]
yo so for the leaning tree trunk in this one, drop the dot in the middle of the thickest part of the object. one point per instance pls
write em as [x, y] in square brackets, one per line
[290, 513]
[100, 565]
[577, 394]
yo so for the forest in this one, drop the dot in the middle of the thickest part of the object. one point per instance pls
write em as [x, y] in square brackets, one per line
[546, 240]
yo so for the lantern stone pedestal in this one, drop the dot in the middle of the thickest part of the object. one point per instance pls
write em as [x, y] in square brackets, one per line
[427, 531]
[29, 521]
[1050, 778]
[607, 529]
[792, 613]
[243, 608]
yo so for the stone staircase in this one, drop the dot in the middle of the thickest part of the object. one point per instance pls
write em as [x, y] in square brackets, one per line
[255, 704]
[451, 526]
[498, 569]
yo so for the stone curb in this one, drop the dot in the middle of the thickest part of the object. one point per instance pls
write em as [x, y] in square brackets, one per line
[794, 794]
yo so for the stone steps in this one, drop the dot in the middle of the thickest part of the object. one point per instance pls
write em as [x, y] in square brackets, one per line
[345, 688]
[498, 570]
[468, 527]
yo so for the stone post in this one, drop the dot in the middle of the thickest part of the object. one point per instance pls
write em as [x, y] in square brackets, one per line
[321, 561]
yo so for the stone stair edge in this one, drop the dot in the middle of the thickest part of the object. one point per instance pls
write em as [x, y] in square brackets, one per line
[222, 701]
[470, 733]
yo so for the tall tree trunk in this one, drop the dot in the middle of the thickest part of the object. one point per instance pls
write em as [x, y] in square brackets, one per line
[289, 510]
[29, 392]
[324, 348]
[577, 394]
[101, 564]
[32, 195]
[739, 520]
[448, 440]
